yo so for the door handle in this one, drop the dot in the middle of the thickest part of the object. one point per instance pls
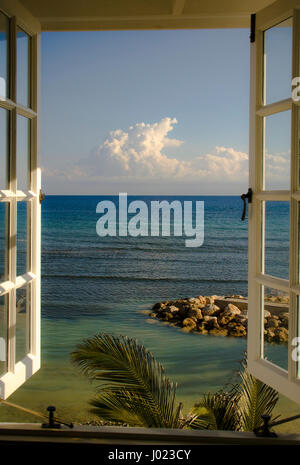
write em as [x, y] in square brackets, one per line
[244, 197]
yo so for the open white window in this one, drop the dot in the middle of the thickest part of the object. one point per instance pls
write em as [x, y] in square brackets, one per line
[274, 179]
[19, 199]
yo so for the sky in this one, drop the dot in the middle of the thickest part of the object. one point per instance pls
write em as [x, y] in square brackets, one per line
[145, 112]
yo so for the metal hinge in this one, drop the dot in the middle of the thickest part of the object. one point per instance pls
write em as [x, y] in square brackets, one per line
[41, 196]
[252, 28]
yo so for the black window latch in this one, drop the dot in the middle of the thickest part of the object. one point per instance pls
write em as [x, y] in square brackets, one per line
[54, 422]
[244, 197]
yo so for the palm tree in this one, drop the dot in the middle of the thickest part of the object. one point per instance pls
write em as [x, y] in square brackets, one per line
[240, 409]
[135, 390]
[255, 399]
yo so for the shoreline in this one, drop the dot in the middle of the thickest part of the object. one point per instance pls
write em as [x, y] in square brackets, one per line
[223, 316]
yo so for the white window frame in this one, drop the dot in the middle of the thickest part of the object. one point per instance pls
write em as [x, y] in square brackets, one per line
[18, 373]
[286, 382]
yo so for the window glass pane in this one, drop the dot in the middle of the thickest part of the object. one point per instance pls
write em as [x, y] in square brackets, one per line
[4, 216]
[23, 235]
[23, 153]
[3, 333]
[277, 229]
[4, 148]
[23, 304]
[278, 61]
[276, 324]
[277, 149]
[23, 68]
[4, 76]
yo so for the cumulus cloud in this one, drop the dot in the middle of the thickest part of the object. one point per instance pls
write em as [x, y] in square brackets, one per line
[226, 163]
[138, 154]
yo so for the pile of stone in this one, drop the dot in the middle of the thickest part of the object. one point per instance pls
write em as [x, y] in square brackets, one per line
[218, 316]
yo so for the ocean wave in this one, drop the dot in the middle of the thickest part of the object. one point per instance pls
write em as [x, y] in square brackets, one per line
[143, 278]
[177, 248]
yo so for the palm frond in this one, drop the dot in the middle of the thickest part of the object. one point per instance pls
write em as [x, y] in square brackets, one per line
[122, 406]
[216, 411]
[255, 399]
[133, 384]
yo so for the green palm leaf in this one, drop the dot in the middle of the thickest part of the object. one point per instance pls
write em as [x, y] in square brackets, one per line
[134, 388]
[216, 411]
[255, 399]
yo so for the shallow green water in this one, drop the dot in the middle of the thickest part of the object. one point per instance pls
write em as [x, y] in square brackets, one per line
[197, 363]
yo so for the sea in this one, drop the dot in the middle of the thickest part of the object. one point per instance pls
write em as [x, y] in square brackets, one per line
[93, 284]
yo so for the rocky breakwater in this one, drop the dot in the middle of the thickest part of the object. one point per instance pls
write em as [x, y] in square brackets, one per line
[219, 316]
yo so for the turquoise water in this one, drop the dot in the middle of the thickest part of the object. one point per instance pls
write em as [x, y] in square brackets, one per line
[92, 284]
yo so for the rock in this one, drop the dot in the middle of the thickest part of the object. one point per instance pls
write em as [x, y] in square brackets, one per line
[194, 313]
[158, 306]
[243, 321]
[173, 309]
[270, 334]
[201, 328]
[198, 303]
[284, 317]
[236, 329]
[216, 297]
[231, 309]
[211, 322]
[167, 316]
[210, 310]
[219, 332]
[216, 316]
[272, 323]
[223, 320]
[201, 300]
[189, 322]
[183, 311]
[281, 335]
[186, 329]
[229, 313]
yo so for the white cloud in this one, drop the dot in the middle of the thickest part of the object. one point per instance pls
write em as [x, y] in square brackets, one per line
[225, 163]
[137, 155]
[136, 152]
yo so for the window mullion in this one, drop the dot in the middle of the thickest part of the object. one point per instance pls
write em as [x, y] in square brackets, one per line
[11, 349]
[35, 205]
[294, 216]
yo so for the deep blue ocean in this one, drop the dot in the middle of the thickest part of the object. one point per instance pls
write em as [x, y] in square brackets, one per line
[94, 284]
